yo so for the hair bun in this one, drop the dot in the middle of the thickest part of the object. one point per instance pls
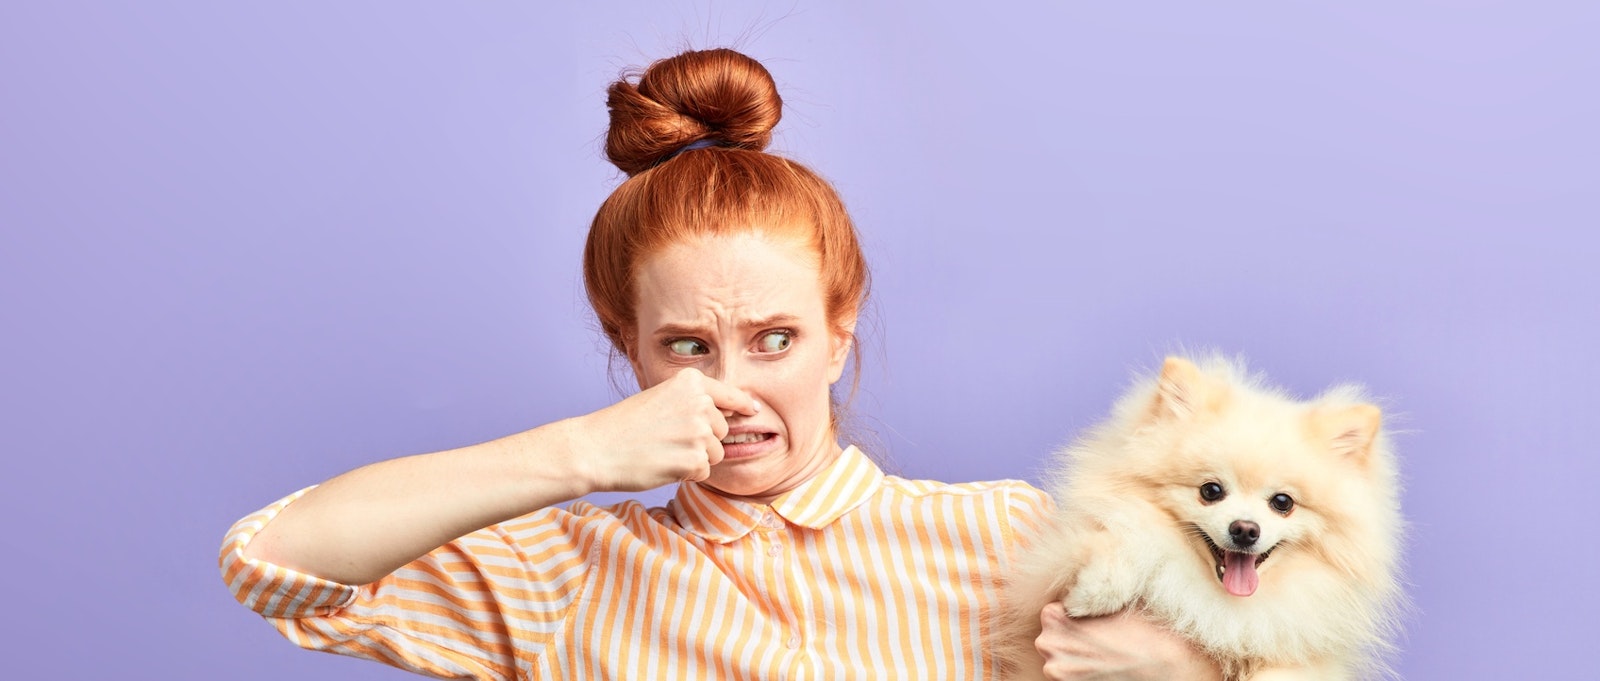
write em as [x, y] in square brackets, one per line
[715, 94]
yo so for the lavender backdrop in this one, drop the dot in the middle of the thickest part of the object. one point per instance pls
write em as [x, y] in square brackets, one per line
[245, 247]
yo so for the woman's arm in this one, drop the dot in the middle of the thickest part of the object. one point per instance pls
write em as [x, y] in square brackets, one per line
[362, 525]
[1124, 646]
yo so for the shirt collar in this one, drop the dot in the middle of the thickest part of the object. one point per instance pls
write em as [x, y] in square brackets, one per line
[845, 484]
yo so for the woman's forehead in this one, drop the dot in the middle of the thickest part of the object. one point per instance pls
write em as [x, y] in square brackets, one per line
[737, 280]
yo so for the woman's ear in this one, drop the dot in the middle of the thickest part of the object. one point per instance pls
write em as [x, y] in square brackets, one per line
[844, 340]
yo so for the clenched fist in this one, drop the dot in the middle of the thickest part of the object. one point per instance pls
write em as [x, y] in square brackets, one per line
[669, 433]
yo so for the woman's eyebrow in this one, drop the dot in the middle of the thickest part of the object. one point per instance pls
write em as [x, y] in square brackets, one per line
[780, 319]
[679, 330]
[675, 329]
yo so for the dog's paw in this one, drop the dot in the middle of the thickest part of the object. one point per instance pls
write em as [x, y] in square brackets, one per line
[1082, 605]
[1102, 588]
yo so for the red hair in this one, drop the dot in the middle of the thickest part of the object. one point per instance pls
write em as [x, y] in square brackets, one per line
[729, 101]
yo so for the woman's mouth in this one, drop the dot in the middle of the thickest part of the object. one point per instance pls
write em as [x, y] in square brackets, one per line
[747, 443]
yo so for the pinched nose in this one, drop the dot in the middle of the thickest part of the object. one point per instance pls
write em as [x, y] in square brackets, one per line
[1244, 533]
[726, 370]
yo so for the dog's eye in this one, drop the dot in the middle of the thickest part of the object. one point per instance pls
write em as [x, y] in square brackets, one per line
[1281, 503]
[1212, 492]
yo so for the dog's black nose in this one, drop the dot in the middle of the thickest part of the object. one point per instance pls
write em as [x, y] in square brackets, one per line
[1244, 533]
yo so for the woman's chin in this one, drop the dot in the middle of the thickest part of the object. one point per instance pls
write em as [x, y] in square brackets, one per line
[755, 475]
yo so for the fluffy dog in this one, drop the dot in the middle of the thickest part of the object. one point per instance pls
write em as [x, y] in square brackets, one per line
[1264, 529]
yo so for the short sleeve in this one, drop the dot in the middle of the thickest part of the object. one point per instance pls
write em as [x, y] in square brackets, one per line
[469, 609]
[1028, 509]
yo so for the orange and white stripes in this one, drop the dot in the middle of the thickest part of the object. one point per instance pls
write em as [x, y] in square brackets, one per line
[853, 575]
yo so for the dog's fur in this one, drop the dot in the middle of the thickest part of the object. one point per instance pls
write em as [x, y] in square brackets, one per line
[1132, 528]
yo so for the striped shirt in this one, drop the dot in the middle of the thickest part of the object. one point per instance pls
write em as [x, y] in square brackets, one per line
[852, 575]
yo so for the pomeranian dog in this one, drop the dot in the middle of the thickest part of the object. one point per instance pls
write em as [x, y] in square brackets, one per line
[1264, 529]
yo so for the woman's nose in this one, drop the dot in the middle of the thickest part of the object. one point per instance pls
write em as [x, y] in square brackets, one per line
[726, 369]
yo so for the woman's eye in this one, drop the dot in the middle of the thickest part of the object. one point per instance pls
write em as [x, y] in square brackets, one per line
[777, 341]
[688, 347]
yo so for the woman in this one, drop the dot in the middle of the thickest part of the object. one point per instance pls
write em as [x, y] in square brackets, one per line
[731, 281]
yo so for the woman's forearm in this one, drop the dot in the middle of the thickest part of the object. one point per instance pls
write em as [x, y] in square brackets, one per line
[364, 524]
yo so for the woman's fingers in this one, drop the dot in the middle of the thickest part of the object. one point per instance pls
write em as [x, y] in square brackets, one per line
[669, 432]
[1124, 645]
[1054, 616]
[729, 400]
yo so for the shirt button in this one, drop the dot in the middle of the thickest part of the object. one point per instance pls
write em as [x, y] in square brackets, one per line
[793, 642]
[774, 550]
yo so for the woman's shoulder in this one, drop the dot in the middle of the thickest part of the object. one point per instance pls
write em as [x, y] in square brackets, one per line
[924, 488]
[1020, 500]
[1005, 512]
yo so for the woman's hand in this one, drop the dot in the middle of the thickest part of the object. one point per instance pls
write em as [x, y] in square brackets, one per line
[1123, 646]
[669, 433]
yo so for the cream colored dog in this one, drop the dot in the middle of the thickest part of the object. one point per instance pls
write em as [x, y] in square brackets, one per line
[1264, 529]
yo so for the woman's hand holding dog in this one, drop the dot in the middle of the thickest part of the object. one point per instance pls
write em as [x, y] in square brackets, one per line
[1124, 646]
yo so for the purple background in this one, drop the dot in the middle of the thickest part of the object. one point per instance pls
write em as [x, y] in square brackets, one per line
[246, 247]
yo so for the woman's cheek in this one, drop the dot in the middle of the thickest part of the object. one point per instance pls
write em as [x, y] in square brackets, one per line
[803, 379]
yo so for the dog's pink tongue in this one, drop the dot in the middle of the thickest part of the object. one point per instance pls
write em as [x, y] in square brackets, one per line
[1240, 576]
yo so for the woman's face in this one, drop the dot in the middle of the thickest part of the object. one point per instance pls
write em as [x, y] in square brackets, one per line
[747, 310]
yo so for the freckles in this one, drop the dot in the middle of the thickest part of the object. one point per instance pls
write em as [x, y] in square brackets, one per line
[659, 369]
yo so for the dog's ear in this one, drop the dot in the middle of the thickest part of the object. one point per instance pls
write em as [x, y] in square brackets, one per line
[1181, 391]
[1348, 429]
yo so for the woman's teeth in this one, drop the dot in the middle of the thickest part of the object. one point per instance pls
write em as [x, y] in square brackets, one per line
[744, 438]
